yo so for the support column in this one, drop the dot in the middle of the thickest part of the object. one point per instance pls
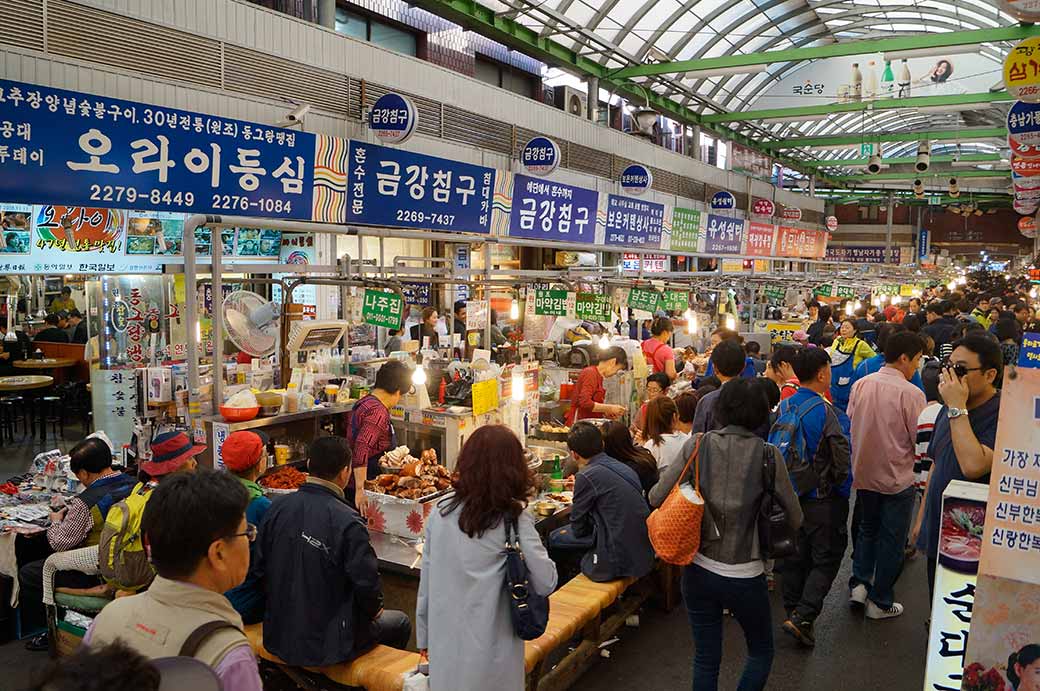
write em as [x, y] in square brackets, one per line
[327, 13]
[812, 185]
[592, 99]
[696, 142]
[888, 230]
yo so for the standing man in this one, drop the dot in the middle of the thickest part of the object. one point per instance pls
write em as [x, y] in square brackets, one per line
[589, 393]
[965, 430]
[884, 408]
[370, 430]
[728, 362]
[940, 326]
[823, 537]
[246, 458]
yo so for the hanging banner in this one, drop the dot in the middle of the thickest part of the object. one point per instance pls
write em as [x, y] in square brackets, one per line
[633, 222]
[924, 244]
[797, 242]
[645, 300]
[791, 213]
[832, 223]
[651, 263]
[381, 308]
[759, 239]
[547, 210]
[402, 189]
[393, 118]
[762, 207]
[859, 255]
[1026, 167]
[94, 151]
[723, 201]
[723, 235]
[72, 239]
[675, 301]
[417, 294]
[783, 332]
[1021, 77]
[636, 179]
[554, 303]
[593, 307]
[1023, 124]
[686, 229]
[774, 292]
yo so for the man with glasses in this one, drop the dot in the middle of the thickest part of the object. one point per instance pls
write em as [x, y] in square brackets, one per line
[965, 431]
[245, 456]
[195, 526]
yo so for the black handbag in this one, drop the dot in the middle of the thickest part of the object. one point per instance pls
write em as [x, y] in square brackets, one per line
[775, 537]
[529, 610]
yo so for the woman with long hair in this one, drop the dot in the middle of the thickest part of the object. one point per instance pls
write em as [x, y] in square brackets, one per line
[663, 440]
[618, 444]
[463, 621]
[1023, 670]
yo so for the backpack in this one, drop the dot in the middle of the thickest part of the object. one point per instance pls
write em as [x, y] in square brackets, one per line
[786, 435]
[122, 558]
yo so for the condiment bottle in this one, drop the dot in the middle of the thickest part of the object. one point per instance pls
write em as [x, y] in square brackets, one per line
[292, 398]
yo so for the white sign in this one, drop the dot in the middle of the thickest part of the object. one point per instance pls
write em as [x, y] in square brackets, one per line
[221, 430]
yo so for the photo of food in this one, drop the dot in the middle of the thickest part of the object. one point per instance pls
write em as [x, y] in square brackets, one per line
[960, 543]
[140, 244]
[1004, 641]
[203, 240]
[248, 242]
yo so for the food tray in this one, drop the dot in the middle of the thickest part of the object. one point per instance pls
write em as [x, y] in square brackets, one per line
[400, 517]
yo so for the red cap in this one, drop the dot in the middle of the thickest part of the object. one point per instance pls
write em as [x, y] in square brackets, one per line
[241, 451]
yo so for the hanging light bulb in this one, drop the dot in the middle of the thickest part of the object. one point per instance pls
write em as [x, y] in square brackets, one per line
[514, 309]
[952, 285]
[859, 305]
[691, 321]
[731, 322]
[198, 332]
[604, 342]
[517, 390]
[848, 309]
[419, 375]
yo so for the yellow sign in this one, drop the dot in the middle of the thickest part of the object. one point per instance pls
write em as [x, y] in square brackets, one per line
[732, 266]
[1022, 70]
[783, 332]
[178, 289]
[906, 290]
[485, 396]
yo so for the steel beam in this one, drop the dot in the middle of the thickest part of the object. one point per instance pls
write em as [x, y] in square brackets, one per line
[898, 160]
[911, 175]
[966, 134]
[861, 47]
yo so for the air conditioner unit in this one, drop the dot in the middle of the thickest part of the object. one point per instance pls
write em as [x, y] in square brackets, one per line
[571, 100]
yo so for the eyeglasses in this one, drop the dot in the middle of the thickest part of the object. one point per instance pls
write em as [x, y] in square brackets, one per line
[961, 370]
[250, 534]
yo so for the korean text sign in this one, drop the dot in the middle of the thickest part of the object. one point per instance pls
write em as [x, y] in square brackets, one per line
[759, 239]
[391, 187]
[553, 303]
[634, 222]
[686, 229]
[723, 235]
[546, 210]
[382, 309]
[95, 151]
[593, 307]
[646, 300]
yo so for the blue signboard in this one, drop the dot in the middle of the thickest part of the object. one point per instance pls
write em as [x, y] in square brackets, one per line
[83, 150]
[1029, 352]
[633, 223]
[636, 179]
[546, 210]
[923, 246]
[416, 293]
[390, 187]
[723, 201]
[723, 235]
[393, 118]
[540, 156]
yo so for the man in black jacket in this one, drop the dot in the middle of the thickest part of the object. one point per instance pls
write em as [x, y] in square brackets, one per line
[940, 325]
[321, 575]
[53, 333]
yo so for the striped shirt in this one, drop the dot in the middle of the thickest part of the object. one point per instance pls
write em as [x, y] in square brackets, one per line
[922, 461]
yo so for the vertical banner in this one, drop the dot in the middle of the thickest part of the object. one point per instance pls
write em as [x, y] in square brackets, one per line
[686, 229]
[759, 239]
[924, 245]
[723, 235]
[634, 222]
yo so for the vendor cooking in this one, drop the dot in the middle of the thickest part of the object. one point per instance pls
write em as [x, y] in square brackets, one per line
[587, 399]
[370, 431]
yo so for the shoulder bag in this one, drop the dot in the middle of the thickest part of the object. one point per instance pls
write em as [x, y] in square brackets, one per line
[776, 540]
[675, 527]
[530, 611]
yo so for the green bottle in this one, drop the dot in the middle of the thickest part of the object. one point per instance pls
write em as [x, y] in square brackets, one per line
[557, 469]
[888, 81]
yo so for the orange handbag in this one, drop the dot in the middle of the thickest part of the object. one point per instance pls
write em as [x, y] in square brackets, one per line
[675, 527]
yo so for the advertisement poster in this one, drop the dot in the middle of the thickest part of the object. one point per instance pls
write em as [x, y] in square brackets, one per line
[634, 222]
[750, 162]
[759, 239]
[783, 332]
[799, 242]
[547, 210]
[1006, 617]
[73, 239]
[395, 188]
[723, 235]
[16, 224]
[860, 255]
[686, 229]
[960, 539]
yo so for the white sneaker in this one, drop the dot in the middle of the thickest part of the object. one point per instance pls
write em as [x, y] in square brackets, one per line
[875, 612]
[858, 596]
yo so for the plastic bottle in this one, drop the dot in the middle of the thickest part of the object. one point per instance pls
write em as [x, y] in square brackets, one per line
[292, 398]
[888, 81]
[857, 83]
[870, 82]
[904, 80]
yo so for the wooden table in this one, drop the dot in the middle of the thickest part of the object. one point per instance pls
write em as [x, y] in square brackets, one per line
[46, 363]
[25, 382]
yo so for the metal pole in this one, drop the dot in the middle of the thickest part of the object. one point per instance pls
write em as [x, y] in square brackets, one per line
[888, 229]
[487, 294]
[592, 99]
[218, 321]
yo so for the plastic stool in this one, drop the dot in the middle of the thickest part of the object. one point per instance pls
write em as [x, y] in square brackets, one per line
[51, 410]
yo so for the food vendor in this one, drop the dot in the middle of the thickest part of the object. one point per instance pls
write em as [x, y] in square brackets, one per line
[587, 398]
[658, 353]
[426, 329]
[370, 430]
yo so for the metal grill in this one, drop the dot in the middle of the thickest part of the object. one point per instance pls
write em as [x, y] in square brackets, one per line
[429, 110]
[118, 41]
[22, 22]
[475, 129]
[250, 72]
[691, 189]
[589, 160]
[665, 181]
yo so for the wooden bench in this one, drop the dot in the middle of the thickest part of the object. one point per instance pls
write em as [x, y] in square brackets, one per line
[380, 669]
[578, 607]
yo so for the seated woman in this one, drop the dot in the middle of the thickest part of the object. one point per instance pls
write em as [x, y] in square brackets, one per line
[618, 444]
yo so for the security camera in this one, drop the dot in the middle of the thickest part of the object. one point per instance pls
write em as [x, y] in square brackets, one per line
[923, 157]
[918, 189]
[954, 190]
[874, 164]
[295, 116]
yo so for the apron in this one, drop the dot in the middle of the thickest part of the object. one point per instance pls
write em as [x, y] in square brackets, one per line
[651, 353]
[841, 375]
[597, 397]
[373, 461]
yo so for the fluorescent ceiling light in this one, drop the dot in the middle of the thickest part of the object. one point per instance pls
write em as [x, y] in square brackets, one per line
[726, 71]
[954, 108]
[931, 52]
[797, 118]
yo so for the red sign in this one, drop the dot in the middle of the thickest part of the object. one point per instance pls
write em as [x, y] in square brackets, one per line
[798, 242]
[792, 213]
[1025, 207]
[1023, 150]
[1027, 223]
[759, 239]
[832, 223]
[763, 207]
[1028, 167]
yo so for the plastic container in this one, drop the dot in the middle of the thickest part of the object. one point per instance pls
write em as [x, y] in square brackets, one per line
[292, 398]
[238, 414]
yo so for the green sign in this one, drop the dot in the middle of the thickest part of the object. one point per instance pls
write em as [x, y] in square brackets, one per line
[382, 309]
[886, 290]
[646, 300]
[551, 303]
[593, 307]
[823, 291]
[775, 292]
[675, 301]
[686, 229]
[844, 292]
[867, 149]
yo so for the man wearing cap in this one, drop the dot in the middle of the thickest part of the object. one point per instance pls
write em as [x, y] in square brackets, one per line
[171, 451]
[246, 458]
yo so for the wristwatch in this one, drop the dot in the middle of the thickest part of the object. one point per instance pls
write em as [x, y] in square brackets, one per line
[951, 413]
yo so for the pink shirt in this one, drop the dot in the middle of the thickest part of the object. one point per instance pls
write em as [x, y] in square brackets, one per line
[884, 408]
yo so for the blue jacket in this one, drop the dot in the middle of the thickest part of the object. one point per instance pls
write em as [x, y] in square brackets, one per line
[749, 369]
[826, 431]
[876, 363]
[609, 506]
[248, 597]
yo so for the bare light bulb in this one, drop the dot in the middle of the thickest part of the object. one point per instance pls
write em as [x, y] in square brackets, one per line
[848, 309]
[419, 376]
[896, 299]
[691, 321]
[604, 342]
[514, 310]
[731, 322]
[952, 285]
[517, 392]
